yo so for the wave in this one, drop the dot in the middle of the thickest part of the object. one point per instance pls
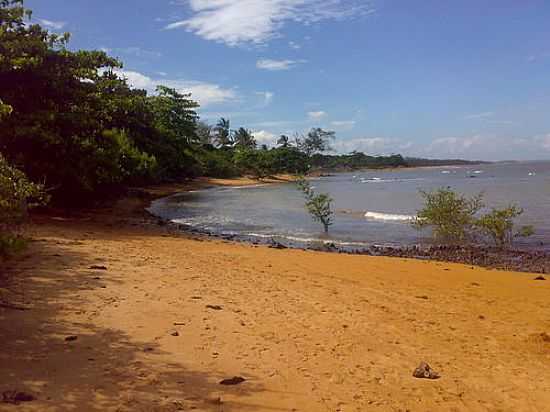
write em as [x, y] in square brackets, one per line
[389, 217]
[381, 180]
[299, 239]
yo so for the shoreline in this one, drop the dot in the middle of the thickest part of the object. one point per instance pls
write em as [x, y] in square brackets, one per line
[521, 260]
[107, 310]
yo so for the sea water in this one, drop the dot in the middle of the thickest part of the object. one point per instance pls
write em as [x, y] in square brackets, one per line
[372, 207]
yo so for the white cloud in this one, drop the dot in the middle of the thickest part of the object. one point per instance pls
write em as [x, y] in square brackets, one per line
[267, 97]
[52, 25]
[316, 115]
[460, 146]
[294, 45]
[276, 65]
[264, 137]
[139, 52]
[476, 147]
[372, 145]
[236, 22]
[205, 93]
[483, 115]
[343, 124]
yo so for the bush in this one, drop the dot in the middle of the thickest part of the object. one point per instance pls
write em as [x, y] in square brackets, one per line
[17, 195]
[451, 215]
[453, 218]
[498, 225]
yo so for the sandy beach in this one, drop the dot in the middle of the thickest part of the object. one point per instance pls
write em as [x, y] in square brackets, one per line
[108, 311]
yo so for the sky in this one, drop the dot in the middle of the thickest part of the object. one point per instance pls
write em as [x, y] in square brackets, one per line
[432, 78]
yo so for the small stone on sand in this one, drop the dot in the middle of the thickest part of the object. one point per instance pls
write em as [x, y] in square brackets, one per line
[233, 381]
[424, 371]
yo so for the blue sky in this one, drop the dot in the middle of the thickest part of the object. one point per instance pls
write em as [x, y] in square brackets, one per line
[428, 78]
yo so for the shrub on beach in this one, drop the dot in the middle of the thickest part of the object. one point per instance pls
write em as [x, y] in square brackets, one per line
[498, 225]
[450, 215]
[455, 219]
[17, 195]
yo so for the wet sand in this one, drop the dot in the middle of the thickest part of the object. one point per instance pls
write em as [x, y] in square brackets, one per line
[164, 317]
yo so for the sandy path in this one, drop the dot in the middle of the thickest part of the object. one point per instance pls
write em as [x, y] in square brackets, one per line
[309, 331]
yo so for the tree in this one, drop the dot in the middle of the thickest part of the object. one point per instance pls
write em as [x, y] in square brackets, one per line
[289, 160]
[243, 139]
[498, 225]
[316, 141]
[174, 114]
[223, 133]
[452, 216]
[283, 141]
[317, 205]
[257, 162]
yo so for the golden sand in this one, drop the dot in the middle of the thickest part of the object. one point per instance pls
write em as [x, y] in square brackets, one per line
[173, 315]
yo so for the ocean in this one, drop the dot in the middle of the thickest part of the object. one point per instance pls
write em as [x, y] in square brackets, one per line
[373, 207]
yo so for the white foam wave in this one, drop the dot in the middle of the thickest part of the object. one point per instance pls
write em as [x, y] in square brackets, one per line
[390, 180]
[307, 239]
[389, 217]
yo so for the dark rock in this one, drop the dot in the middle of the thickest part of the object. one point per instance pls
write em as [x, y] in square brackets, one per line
[16, 397]
[71, 338]
[98, 267]
[424, 371]
[540, 278]
[277, 245]
[236, 380]
[422, 297]
[175, 333]
[214, 307]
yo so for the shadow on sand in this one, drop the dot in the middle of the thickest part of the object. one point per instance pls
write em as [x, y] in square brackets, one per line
[102, 369]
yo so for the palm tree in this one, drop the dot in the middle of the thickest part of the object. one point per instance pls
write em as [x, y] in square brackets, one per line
[244, 139]
[223, 133]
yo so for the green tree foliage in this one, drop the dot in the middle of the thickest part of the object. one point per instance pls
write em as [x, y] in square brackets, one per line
[498, 225]
[88, 132]
[316, 141]
[354, 161]
[287, 159]
[455, 219]
[257, 162]
[17, 195]
[452, 216]
[317, 205]
[244, 139]
[5, 110]
[175, 129]
[70, 119]
[283, 141]
[217, 163]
